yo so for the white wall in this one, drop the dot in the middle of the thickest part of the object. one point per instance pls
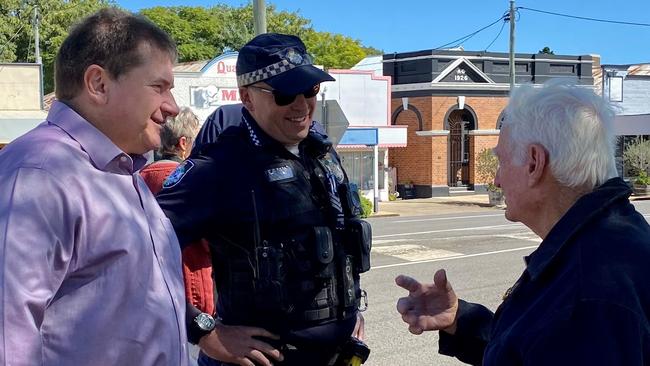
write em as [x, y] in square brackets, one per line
[363, 97]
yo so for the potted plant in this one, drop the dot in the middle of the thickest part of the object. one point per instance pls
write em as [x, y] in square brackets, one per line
[642, 184]
[486, 170]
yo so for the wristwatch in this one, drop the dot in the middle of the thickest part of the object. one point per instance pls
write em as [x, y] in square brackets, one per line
[202, 325]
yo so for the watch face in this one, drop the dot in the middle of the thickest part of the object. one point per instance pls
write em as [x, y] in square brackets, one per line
[205, 321]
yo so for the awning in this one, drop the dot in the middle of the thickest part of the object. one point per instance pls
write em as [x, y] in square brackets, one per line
[631, 125]
[17, 123]
[360, 136]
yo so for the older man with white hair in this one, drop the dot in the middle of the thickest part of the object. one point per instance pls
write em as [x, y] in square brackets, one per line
[583, 298]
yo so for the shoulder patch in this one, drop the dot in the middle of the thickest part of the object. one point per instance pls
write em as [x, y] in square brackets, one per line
[332, 165]
[178, 174]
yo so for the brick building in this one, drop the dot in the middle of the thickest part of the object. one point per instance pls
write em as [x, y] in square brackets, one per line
[451, 102]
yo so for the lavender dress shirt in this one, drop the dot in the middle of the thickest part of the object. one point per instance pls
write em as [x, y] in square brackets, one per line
[90, 267]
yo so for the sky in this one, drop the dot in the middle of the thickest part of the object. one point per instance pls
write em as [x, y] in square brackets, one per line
[412, 25]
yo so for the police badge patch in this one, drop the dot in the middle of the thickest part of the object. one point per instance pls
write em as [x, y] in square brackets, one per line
[332, 165]
[178, 174]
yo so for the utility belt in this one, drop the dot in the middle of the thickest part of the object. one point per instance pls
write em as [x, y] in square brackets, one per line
[325, 288]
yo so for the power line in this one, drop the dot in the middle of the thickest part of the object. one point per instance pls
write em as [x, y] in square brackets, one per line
[467, 37]
[497, 37]
[2, 50]
[22, 25]
[585, 18]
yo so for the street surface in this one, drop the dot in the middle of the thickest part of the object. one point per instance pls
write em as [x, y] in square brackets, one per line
[481, 251]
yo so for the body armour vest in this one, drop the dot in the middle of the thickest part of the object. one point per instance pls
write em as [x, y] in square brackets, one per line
[288, 247]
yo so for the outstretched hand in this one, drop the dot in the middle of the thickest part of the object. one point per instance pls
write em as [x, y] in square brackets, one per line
[239, 345]
[428, 306]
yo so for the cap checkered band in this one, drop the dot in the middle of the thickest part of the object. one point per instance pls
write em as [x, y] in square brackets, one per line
[264, 73]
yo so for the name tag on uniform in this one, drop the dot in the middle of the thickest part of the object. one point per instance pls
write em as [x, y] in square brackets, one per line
[283, 172]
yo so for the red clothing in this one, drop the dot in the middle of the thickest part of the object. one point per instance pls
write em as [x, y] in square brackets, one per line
[155, 174]
[197, 265]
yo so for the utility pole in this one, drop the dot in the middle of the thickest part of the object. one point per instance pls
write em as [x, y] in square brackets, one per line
[512, 45]
[37, 54]
[37, 48]
[259, 16]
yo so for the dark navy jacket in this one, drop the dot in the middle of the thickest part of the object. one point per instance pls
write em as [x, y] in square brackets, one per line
[212, 198]
[584, 298]
[217, 122]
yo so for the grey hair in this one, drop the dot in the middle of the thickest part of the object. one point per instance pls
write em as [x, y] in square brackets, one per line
[572, 123]
[186, 124]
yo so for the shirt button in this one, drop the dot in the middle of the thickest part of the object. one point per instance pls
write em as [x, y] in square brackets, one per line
[123, 159]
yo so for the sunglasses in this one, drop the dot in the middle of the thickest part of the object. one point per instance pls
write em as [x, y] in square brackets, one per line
[286, 99]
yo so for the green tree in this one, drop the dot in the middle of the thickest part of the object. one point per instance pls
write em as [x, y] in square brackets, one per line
[202, 33]
[196, 34]
[334, 50]
[56, 17]
[546, 50]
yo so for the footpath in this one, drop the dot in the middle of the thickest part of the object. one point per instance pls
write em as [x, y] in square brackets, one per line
[445, 205]
[435, 205]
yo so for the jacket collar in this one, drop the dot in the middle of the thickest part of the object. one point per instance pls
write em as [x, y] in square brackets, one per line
[581, 213]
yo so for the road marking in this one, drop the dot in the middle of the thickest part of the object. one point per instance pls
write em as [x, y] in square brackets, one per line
[523, 236]
[448, 218]
[414, 253]
[448, 230]
[385, 241]
[457, 257]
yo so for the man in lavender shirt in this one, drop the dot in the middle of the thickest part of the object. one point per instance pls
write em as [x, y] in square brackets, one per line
[90, 268]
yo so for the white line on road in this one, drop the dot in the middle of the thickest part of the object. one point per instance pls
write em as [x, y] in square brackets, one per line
[524, 236]
[376, 242]
[457, 257]
[448, 218]
[448, 230]
[413, 252]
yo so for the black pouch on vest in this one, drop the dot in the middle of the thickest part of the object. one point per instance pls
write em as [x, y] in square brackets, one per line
[349, 195]
[358, 237]
[324, 245]
[324, 251]
[269, 286]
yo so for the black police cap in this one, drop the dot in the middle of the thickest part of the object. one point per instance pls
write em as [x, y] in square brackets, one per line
[280, 60]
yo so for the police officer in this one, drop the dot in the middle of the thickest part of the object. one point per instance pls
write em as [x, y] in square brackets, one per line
[281, 218]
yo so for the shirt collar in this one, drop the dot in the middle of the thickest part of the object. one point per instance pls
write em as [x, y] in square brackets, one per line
[581, 213]
[104, 154]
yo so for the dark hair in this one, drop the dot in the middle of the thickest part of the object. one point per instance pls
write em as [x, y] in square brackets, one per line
[110, 38]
